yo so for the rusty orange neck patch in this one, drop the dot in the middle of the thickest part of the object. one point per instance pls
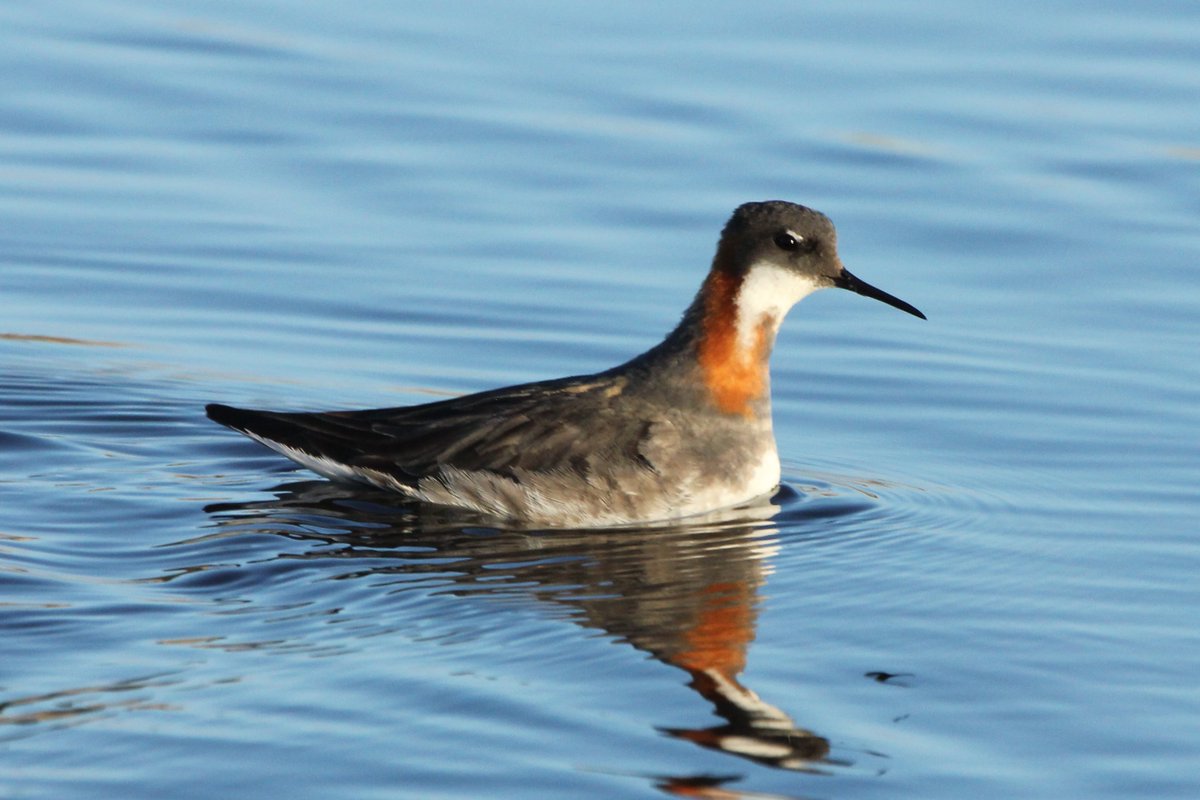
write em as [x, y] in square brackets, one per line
[733, 374]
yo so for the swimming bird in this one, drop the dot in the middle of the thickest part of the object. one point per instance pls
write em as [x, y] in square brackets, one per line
[680, 430]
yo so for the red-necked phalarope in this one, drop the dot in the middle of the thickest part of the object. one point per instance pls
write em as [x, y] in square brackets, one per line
[683, 429]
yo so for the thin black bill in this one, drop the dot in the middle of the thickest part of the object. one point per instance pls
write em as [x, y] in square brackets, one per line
[846, 280]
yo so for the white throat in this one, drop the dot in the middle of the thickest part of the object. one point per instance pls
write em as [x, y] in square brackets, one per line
[767, 293]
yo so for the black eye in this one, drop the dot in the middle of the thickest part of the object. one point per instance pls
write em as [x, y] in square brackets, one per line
[785, 241]
[793, 243]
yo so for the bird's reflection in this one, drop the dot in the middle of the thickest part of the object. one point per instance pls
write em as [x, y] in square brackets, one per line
[686, 595]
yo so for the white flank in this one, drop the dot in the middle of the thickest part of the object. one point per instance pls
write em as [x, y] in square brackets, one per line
[325, 467]
[768, 292]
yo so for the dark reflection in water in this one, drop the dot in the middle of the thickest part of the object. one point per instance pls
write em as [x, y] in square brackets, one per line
[79, 704]
[686, 595]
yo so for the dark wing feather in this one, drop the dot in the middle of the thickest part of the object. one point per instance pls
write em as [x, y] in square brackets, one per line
[561, 423]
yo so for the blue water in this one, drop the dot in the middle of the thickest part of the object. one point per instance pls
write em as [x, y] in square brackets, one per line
[982, 577]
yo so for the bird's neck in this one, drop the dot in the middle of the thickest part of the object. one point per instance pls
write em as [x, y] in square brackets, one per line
[737, 315]
[733, 348]
[722, 346]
